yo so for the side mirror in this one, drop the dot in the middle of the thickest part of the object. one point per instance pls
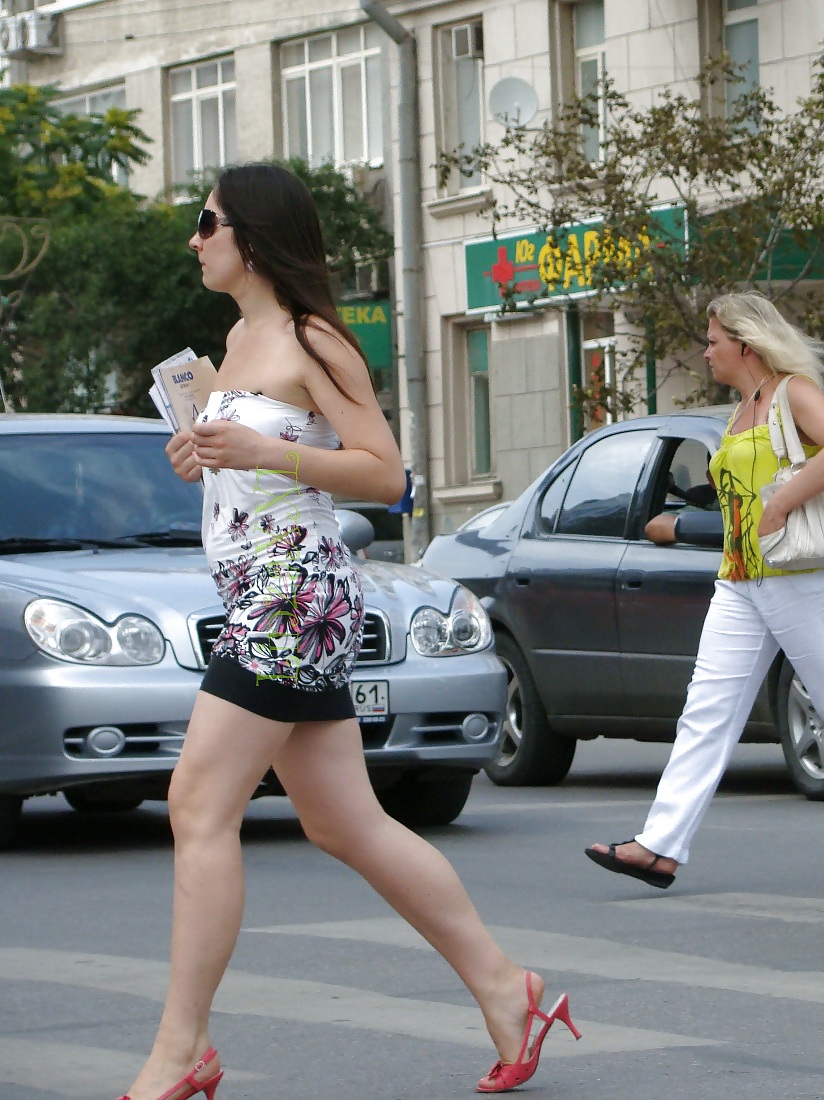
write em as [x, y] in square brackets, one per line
[700, 529]
[357, 531]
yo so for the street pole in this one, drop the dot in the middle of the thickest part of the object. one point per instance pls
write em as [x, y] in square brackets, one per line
[409, 187]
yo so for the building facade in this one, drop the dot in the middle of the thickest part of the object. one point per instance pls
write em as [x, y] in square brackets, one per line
[242, 79]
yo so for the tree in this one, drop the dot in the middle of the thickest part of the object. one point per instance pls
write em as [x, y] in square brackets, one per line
[59, 165]
[746, 185]
[120, 290]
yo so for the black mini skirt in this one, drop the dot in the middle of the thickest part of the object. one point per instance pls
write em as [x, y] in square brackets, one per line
[273, 699]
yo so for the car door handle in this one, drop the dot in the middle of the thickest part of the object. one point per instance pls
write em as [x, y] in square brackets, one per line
[522, 577]
[632, 579]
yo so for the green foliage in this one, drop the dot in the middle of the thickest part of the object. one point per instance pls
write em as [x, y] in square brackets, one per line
[747, 179]
[58, 165]
[118, 290]
[353, 230]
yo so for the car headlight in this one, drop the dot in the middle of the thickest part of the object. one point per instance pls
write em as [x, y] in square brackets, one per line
[466, 629]
[72, 634]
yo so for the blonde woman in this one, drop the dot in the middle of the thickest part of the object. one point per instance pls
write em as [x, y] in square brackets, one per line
[755, 609]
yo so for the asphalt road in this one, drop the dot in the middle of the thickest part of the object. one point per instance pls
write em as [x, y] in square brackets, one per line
[711, 989]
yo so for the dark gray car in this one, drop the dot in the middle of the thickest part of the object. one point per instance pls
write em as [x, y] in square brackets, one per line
[108, 615]
[598, 626]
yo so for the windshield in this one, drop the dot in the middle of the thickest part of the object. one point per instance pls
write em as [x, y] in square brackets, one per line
[92, 486]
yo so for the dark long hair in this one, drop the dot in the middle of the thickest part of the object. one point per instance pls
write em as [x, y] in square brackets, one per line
[278, 233]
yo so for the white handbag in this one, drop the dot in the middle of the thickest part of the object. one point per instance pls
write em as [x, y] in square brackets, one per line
[799, 544]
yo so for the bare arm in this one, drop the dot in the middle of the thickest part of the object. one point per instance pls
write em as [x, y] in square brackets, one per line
[661, 529]
[369, 466]
[807, 405]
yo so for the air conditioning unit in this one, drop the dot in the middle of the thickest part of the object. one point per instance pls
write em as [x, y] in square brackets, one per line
[468, 40]
[10, 36]
[39, 33]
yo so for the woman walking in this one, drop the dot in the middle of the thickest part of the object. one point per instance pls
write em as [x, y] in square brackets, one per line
[755, 609]
[296, 419]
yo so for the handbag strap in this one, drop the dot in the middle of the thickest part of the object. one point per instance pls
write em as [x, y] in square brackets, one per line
[783, 432]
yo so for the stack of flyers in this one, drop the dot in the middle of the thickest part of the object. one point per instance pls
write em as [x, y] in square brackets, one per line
[181, 388]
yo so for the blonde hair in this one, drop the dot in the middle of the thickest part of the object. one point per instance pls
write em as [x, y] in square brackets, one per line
[754, 320]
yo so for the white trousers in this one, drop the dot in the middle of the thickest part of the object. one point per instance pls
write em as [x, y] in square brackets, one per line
[746, 624]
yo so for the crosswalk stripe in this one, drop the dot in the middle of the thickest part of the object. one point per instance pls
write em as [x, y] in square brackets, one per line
[605, 806]
[73, 1071]
[318, 1003]
[769, 906]
[589, 955]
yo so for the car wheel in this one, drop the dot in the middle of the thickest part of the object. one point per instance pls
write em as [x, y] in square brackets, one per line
[427, 798]
[86, 804]
[532, 754]
[802, 734]
[10, 809]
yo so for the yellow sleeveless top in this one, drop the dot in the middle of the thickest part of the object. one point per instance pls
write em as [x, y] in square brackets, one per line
[741, 465]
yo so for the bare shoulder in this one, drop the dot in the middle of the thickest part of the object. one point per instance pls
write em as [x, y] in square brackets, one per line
[347, 366]
[807, 407]
[232, 334]
[331, 345]
[803, 393]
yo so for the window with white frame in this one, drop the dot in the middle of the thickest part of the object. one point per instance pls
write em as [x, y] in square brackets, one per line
[477, 361]
[97, 103]
[460, 50]
[203, 119]
[741, 43]
[588, 18]
[332, 92]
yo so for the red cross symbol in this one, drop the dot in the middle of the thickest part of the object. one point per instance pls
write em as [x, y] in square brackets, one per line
[503, 271]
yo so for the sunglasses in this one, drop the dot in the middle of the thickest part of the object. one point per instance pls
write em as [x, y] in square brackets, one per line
[208, 222]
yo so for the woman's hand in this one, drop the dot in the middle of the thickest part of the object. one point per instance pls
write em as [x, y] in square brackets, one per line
[227, 445]
[773, 517]
[180, 450]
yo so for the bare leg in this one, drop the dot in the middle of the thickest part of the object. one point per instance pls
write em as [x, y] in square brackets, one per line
[321, 766]
[226, 752]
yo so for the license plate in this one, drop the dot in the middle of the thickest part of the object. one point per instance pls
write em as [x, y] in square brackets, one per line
[371, 698]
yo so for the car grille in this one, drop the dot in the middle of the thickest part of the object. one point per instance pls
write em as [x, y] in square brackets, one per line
[374, 650]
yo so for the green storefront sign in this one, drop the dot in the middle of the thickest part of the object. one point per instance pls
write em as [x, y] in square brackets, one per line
[370, 322]
[530, 267]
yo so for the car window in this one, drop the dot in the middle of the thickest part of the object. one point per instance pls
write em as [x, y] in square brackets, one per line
[552, 500]
[598, 499]
[689, 472]
[388, 525]
[95, 485]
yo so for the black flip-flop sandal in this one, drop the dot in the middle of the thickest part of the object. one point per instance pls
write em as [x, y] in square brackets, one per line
[647, 874]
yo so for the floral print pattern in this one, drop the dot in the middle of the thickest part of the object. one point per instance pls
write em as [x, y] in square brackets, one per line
[294, 606]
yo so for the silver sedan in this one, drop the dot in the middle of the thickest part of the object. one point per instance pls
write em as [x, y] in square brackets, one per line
[108, 613]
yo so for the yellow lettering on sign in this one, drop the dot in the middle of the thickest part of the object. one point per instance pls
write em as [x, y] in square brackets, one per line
[348, 315]
[550, 264]
[573, 267]
[524, 251]
[592, 252]
[362, 315]
[378, 316]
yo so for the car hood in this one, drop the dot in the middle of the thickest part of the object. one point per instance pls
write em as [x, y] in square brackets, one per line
[173, 585]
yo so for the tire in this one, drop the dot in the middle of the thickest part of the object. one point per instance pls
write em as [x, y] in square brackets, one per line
[801, 729]
[532, 754]
[86, 804]
[427, 798]
[10, 810]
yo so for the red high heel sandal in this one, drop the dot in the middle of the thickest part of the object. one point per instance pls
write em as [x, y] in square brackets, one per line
[193, 1086]
[505, 1076]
